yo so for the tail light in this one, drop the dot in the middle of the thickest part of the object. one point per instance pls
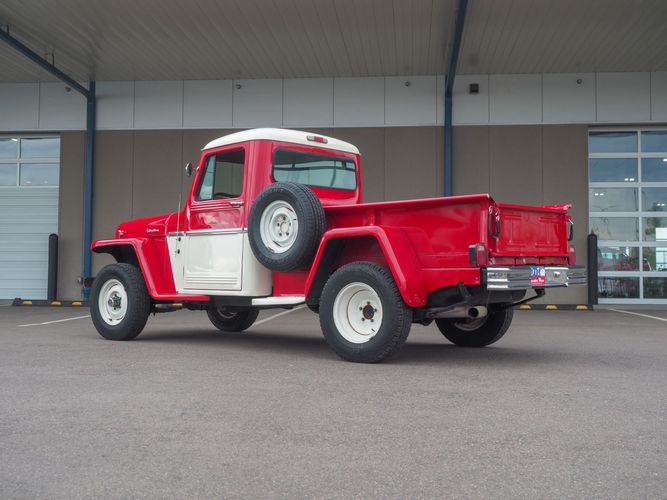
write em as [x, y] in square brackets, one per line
[477, 255]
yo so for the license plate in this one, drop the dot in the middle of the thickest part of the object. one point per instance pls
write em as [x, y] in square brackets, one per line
[538, 276]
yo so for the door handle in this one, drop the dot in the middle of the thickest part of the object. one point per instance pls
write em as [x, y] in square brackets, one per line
[236, 203]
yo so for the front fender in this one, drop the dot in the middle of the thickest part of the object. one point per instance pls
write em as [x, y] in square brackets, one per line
[141, 252]
[397, 250]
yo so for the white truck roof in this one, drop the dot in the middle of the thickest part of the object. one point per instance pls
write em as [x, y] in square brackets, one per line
[283, 135]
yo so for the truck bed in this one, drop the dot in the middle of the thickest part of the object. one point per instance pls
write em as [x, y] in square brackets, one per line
[442, 230]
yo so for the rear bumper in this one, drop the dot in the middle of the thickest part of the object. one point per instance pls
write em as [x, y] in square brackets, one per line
[525, 277]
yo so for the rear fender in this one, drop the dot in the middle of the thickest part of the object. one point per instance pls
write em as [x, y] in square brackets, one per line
[398, 253]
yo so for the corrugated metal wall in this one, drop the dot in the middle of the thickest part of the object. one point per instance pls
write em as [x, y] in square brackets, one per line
[27, 217]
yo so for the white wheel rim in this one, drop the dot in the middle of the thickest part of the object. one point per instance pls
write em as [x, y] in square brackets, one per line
[357, 313]
[112, 302]
[278, 226]
[470, 325]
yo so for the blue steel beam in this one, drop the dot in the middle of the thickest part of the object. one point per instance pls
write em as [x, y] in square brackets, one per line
[89, 94]
[449, 85]
[40, 61]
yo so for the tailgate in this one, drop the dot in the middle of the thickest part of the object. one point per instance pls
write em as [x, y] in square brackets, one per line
[528, 231]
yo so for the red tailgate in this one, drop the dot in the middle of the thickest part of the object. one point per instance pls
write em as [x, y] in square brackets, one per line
[528, 231]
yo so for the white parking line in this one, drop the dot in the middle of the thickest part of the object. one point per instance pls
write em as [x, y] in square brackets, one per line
[638, 314]
[278, 315]
[56, 321]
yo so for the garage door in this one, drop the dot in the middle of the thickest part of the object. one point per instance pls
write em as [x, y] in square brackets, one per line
[29, 173]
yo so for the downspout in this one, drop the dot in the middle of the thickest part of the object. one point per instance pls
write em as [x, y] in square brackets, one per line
[449, 86]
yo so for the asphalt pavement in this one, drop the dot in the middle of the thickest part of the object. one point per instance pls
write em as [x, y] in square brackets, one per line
[567, 405]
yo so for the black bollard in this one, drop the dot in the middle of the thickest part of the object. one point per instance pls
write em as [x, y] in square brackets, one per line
[592, 269]
[52, 282]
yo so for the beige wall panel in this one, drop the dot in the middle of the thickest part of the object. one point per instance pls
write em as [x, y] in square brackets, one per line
[440, 161]
[515, 154]
[70, 233]
[564, 154]
[410, 159]
[157, 165]
[471, 160]
[112, 187]
[371, 144]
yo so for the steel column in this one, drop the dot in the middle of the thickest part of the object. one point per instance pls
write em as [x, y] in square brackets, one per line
[88, 186]
[449, 85]
[89, 94]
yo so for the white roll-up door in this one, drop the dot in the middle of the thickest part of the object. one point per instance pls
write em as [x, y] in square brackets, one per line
[29, 173]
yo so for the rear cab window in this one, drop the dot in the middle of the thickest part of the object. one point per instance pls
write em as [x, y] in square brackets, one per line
[314, 169]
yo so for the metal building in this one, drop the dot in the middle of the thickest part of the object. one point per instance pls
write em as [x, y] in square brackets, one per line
[538, 102]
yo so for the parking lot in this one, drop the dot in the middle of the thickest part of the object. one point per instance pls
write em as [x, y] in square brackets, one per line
[567, 405]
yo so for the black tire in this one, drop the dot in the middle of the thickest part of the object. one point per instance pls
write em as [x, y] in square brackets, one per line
[478, 332]
[228, 320]
[311, 226]
[396, 317]
[138, 305]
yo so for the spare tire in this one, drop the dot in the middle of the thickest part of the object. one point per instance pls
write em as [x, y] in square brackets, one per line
[285, 226]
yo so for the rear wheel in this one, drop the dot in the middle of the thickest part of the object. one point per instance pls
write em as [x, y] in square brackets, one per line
[477, 332]
[362, 314]
[228, 320]
[119, 302]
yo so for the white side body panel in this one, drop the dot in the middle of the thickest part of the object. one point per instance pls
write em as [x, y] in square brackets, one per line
[217, 263]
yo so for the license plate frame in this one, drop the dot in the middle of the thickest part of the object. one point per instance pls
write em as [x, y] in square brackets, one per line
[538, 276]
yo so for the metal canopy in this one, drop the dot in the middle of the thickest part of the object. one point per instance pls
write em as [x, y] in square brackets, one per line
[212, 39]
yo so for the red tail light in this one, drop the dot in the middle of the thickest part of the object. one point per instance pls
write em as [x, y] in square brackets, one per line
[317, 138]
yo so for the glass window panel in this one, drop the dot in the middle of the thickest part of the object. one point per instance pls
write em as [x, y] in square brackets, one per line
[9, 148]
[655, 229]
[314, 169]
[612, 200]
[655, 259]
[616, 228]
[39, 174]
[612, 142]
[655, 288]
[40, 147]
[618, 288]
[7, 174]
[654, 169]
[654, 199]
[618, 258]
[654, 141]
[223, 177]
[612, 170]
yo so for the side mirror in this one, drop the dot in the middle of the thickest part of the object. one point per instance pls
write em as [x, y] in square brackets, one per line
[189, 168]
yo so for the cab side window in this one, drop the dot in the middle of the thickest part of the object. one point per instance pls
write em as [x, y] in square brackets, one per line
[223, 177]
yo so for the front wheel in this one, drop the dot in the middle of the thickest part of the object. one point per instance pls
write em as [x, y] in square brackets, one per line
[478, 332]
[228, 320]
[119, 302]
[362, 314]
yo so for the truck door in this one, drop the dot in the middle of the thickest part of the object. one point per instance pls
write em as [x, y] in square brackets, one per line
[213, 249]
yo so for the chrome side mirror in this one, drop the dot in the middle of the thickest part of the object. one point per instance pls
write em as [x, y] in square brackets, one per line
[189, 168]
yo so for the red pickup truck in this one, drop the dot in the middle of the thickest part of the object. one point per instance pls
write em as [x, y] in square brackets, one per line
[275, 219]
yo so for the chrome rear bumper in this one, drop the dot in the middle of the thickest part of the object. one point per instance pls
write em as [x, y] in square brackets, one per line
[525, 277]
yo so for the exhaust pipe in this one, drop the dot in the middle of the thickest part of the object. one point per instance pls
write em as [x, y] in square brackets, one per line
[468, 312]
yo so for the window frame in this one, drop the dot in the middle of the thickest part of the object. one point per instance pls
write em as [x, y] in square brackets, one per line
[639, 215]
[204, 164]
[19, 160]
[317, 151]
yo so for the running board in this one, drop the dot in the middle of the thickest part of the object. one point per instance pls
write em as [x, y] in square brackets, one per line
[291, 300]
